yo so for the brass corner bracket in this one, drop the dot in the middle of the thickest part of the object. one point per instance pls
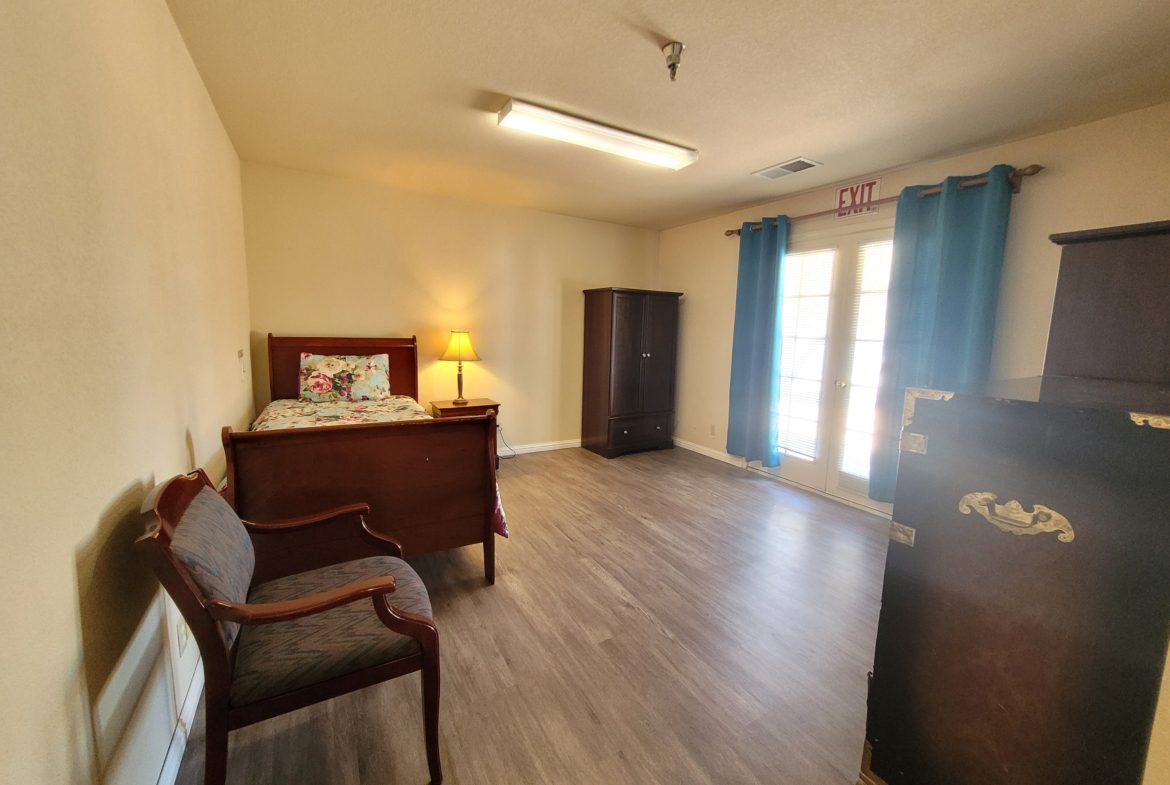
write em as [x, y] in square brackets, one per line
[912, 396]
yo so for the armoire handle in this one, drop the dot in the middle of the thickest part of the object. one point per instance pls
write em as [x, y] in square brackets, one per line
[1014, 519]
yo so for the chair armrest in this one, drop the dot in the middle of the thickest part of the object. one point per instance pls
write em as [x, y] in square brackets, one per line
[268, 612]
[293, 545]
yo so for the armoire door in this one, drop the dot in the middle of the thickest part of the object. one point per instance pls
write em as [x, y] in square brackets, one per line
[626, 362]
[659, 331]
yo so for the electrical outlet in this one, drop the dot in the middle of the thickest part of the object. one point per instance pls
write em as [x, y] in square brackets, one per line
[182, 635]
[712, 429]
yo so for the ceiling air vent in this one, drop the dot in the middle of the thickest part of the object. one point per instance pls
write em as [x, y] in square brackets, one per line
[788, 167]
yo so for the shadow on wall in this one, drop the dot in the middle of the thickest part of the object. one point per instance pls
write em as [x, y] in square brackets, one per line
[260, 391]
[572, 352]
[114, 587]
[115, 592]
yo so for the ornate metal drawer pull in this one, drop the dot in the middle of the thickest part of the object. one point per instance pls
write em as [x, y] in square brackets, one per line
[1152, 420]
[1013, 519]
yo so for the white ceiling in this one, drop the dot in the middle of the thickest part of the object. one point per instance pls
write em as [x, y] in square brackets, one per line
[404, 92]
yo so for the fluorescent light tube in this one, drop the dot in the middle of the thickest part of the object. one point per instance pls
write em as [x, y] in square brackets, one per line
[586, 133]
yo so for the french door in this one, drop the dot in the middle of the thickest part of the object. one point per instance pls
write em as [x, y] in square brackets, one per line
[833, 323]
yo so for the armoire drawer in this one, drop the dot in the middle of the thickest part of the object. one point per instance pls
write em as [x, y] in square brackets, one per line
[644, 430]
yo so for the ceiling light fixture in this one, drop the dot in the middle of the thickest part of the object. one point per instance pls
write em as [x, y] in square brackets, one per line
[673, 52]
[586, 133]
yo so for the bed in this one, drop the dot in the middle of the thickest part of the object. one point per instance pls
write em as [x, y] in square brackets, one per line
[430, 483]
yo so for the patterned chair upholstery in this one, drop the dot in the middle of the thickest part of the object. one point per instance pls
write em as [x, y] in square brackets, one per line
[289, 613]
[212, 543]
[275, 658]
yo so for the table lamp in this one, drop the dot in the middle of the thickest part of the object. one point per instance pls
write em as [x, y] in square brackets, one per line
[460, 350]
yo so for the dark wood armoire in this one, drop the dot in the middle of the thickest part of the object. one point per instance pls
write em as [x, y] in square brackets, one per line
[1026, 600]
[631, 343]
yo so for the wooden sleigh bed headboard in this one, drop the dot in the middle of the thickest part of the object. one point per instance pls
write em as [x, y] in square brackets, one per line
[284, 360]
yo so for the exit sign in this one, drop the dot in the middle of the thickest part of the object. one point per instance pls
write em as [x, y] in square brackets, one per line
[851, 199]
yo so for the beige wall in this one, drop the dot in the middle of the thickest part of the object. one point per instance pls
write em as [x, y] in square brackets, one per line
[123, 304]
[1106, 173]
[333, 256]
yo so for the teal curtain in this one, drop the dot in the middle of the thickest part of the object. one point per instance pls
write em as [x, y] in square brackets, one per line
[752, 424]
[940, 315]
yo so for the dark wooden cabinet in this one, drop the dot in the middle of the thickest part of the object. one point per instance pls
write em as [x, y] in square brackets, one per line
[1110, 317]
[1026, 600]
[631, 342]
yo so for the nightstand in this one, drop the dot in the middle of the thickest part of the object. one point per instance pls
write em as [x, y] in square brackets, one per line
[474, 406]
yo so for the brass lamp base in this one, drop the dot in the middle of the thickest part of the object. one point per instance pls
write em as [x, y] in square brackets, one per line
[460, 401]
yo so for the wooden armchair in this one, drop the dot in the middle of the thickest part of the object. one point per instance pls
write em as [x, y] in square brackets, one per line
[275, 609]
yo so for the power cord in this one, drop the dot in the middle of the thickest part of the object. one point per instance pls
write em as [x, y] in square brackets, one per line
[500, 430]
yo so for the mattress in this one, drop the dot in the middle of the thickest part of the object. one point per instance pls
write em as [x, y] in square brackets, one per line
[289, 413]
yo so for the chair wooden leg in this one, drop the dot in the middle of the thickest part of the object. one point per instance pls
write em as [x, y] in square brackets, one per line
[430, 694]
[422, 629]
[489, 558]
[215, 757]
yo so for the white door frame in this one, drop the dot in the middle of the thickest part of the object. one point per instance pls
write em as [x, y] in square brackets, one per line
[845, 237]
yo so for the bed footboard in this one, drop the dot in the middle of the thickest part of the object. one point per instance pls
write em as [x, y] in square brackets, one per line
[431, 484]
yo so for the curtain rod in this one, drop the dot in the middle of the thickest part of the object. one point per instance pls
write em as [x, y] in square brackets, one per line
[1016, 177]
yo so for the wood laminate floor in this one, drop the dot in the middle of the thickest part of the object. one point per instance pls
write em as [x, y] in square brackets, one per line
[660, 619]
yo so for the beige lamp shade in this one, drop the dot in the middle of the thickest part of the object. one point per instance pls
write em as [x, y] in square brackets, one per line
[460, 349]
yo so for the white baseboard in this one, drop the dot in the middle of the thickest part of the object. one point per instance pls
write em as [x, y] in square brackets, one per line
[742, 464]
[170, 769]
[718, 455]
[538, 447]
[817, 492]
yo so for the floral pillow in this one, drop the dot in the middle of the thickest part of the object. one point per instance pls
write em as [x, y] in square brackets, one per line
[349, 377]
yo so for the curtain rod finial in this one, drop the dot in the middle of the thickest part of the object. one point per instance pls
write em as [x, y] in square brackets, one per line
[1017, 176]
